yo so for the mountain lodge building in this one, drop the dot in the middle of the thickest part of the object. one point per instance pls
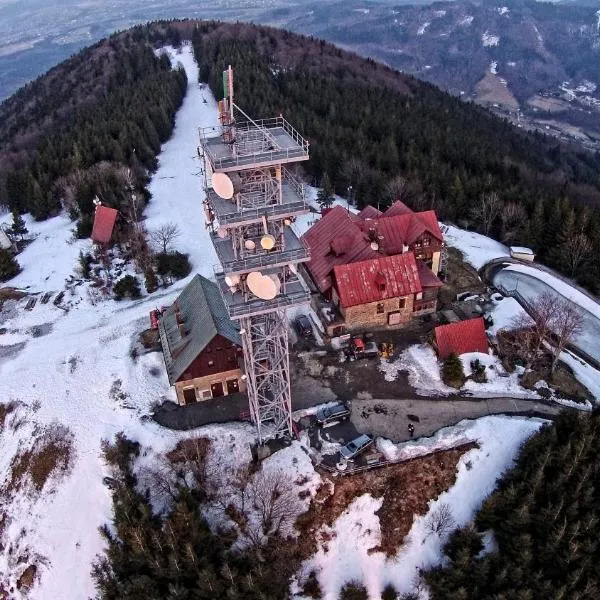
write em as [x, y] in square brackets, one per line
[378, 269]
[201, 344]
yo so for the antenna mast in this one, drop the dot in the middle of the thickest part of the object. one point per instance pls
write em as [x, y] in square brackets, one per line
[254, 198]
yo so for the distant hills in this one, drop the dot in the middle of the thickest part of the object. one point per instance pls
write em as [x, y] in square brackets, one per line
[99, 118]
[537, 62]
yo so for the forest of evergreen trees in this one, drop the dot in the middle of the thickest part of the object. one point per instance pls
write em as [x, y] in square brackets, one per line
[90, 127]
[544, 517]
[368, 125]
[174, 555]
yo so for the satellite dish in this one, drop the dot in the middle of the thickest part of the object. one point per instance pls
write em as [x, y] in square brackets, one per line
[277, 283]
[222, 185]
[267, 241]
[262, 286]
[249, 245]
[374, 246]
[232, 280]
[222, 232]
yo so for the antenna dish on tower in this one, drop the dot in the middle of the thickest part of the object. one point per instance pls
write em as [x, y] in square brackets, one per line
[267, 241]
[250, 245]
[262, 286]
[222, 185]
[222, 232]
[232, 280]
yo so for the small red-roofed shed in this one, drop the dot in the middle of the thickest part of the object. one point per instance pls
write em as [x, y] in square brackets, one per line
[104, 222]
[461, 337]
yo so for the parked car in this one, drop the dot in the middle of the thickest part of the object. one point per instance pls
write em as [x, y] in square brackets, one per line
[359, 348]
[303, 327]
[356, 447]
[332, 414]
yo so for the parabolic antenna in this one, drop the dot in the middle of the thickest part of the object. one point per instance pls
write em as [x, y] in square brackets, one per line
[374, 246]
[262, 286]
[232, 280]
[277, 283]
[222, 185]
[249, 245]
[267, 241]
[222, 232]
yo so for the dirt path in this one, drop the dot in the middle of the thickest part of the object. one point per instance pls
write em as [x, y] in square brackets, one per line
[390, 418]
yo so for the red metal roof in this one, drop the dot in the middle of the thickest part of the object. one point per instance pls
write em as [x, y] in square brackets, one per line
[398, 208]
[465, 336]
[340, 237]
[104, 221]
[426, 276]
[377, 279]
[369, 212]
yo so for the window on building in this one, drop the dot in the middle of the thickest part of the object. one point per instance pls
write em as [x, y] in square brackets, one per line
[402, 303]
[426, 241]
[211, 363]
[380, 308]
[419, 295]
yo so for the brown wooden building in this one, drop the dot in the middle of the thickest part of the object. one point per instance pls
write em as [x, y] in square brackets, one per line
[201, 344]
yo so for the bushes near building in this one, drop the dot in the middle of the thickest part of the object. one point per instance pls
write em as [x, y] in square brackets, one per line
[127, 286]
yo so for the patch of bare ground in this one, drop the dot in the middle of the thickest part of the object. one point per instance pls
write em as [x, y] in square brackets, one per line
[9, 293]
[406, 489]
[27, 578]
[490, 90]
[5, 410]
[51, 454]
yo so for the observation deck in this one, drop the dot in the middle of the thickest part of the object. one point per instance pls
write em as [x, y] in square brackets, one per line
[256, 202]
[240, 305]
[295, 251]
[263, 143]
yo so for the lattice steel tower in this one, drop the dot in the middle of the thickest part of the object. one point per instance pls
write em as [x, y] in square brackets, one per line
[251, 202]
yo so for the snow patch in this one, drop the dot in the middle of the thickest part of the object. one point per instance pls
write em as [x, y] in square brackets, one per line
[423, 27]
[494, 67]
[477, 249]
[421, 364]
[488, 39]
[466, 20]
[503, 10]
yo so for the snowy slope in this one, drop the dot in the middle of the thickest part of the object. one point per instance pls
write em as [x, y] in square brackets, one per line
[71, 374]
[477, 249]
[347, 554]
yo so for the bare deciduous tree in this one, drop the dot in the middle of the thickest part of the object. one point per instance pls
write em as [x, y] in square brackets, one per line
[397, 188]
[140, 249]
[556, 321]
[273, 496]
[440, 521]
[512, 217]
[536, 327]
[566, 324]
[164, 236]
[487, 210]
[576, 250]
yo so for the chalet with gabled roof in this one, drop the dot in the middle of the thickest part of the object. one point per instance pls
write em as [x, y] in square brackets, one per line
[379, 269]
[201, 344]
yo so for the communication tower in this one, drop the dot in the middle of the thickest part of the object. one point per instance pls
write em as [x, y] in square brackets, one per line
[252, 198]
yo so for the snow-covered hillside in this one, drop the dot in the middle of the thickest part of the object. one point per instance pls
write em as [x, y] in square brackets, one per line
[74, 368]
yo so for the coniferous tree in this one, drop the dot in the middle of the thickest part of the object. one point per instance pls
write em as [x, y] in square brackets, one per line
[18, 227]
[325, 194]
[9, 267]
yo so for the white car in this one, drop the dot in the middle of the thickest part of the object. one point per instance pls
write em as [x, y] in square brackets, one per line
[356, 446]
